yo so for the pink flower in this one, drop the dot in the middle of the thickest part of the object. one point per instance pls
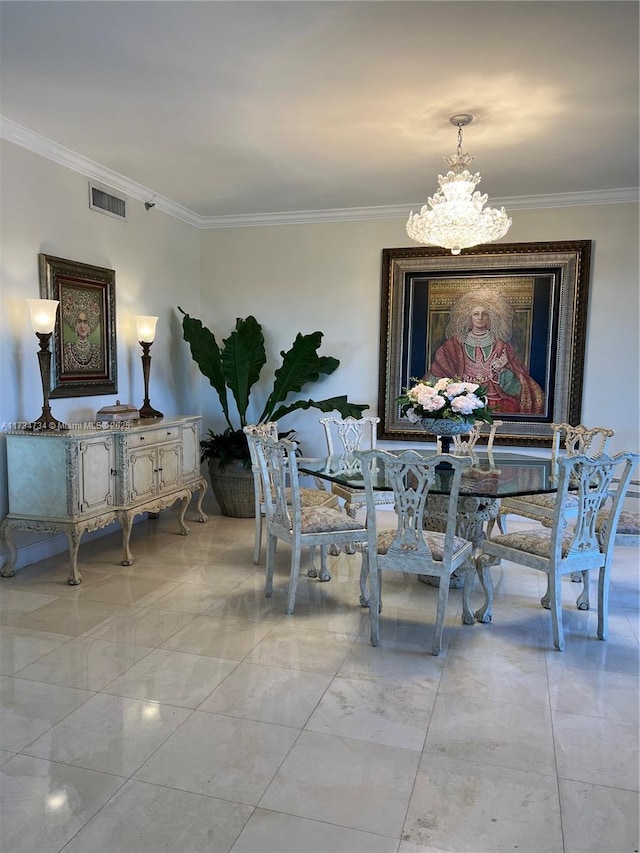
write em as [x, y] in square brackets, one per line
[422, 393]
[433, 403]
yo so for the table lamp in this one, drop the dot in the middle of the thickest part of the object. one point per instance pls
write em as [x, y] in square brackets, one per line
[146, 332]
[43, 319]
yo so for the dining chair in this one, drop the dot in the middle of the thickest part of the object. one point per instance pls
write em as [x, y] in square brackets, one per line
[566, 440]
[410, 548]
[561, 549]
[346, 435]
[320, 496]
[288, 520]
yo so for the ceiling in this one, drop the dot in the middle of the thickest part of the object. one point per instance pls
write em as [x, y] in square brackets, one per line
[251, 108]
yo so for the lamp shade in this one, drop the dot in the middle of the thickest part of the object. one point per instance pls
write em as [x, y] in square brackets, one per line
[145, 328]
[43, 314]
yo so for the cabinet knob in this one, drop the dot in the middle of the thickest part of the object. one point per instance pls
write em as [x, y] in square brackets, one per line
[114, 473]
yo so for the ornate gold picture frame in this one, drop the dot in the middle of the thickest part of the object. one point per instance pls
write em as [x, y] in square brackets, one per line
[84, 339]
[525, 304]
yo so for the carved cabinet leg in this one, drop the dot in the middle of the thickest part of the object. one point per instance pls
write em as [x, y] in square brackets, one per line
[201, 489]
[6, 534]
[184, 530]
[73, 536]
[126, 520]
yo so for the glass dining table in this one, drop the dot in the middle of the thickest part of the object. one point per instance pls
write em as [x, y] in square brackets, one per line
[491, 477]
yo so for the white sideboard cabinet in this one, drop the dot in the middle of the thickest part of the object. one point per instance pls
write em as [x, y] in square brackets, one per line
[78, 480]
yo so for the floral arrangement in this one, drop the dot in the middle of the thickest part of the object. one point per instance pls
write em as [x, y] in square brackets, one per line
[445, 398]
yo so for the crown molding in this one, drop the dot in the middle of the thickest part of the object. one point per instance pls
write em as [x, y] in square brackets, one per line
[624, 195]
[19, 135]
[401, 211]
[13, 132]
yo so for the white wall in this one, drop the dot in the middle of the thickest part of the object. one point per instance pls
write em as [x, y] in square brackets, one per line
[156, 260]
[328, 277]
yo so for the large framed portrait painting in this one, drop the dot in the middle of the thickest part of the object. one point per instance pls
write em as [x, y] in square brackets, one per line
[84, 340]
[511, 317]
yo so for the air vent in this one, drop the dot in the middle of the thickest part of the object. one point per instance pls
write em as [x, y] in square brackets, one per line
[105, 202]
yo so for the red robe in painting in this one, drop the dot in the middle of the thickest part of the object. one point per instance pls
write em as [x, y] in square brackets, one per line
[518, 393]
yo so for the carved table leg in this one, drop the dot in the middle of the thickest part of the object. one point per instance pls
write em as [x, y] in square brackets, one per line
[471, 516]
[73, 536]
[126, 520]
[6, 534]
[482, 567]
[468, 617]
[582, 601]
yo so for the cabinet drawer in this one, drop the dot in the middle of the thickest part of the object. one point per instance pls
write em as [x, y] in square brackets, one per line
[154, 436]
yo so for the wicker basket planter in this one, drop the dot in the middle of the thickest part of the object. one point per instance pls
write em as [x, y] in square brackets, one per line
[233, 488]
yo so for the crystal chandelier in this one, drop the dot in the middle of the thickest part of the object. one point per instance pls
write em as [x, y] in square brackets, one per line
[454, 217]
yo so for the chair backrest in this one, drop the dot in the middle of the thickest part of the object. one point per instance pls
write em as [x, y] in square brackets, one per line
[579, 441]
[597, 481]
[280, 482]
[253, 431]
[411, 476]
[349, 434]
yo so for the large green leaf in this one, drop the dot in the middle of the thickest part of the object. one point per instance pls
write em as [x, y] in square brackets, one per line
[242, 359]
[206, 354]
[333, 404]
[300, 365]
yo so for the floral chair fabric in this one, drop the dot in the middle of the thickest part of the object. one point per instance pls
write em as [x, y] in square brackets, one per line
[627, 530]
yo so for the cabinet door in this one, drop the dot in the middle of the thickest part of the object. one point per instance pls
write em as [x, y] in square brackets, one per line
[143, 475]
[96, 461]
[190, 452]
[168, 468]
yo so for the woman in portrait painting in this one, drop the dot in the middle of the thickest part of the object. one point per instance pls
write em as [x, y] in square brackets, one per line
[477, 349]
[80, 354]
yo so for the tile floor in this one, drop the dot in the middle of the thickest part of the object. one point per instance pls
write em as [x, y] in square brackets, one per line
[169, 706]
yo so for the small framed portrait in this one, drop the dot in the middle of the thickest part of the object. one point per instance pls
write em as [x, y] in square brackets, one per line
[84, 340]
[510, 317]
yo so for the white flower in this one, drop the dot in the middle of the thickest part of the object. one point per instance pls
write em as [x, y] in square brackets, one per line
[422, 394]
[466, 404]
[412, 416]
[456, 388]
[441, 384]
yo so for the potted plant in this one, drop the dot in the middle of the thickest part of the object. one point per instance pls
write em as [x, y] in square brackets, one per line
[235, 367]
